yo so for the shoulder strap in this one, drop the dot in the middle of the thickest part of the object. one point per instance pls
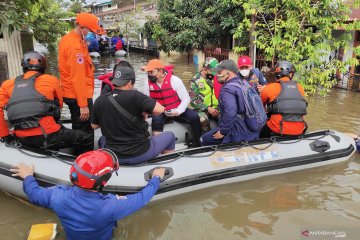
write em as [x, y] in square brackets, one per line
[256, 71]
[122, 110]
[140, 124]
[32, 78]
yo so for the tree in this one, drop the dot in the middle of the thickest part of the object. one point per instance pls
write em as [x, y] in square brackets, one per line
[185, 25]
[76, 6]
[301, 32]
[129, 26]
[39, 16]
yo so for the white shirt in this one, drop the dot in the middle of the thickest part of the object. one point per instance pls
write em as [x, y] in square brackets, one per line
[179, 87]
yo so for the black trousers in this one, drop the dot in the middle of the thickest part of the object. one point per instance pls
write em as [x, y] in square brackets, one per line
[266, 132]
[61, 139]
[77, 124]
[189, 116]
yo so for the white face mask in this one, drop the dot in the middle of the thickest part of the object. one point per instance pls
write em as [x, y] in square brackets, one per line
[245, 72]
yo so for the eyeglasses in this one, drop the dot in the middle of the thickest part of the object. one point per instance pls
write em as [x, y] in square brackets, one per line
[222, 75]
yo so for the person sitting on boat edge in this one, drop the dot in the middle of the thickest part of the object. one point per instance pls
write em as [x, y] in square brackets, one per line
[33, 102]
[232, 127]
[84, 212]
[202, 95]
[169, 90]
[106, 85]
[286, 105]
[251, 74]
[121, 116]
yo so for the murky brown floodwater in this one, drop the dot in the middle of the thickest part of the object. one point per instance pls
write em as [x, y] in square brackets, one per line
[273, 207]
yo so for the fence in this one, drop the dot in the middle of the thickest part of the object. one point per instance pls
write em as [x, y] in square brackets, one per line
[15, 45]
[218, 53]
[348, 81]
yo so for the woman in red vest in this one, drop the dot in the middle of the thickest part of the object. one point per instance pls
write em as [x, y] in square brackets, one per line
[169, 91]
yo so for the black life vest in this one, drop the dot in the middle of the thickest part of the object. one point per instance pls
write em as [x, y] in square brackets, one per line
[290, 103]
[27, 106]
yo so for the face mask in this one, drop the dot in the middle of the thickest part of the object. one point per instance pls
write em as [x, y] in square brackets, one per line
[245, 72]
[152, 78]
[209, 76]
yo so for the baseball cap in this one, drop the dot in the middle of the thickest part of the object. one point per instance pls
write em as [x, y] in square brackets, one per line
[228, 65]
[153, 64]
[90, 21]
[211, 63]
[122, 75]
[244, 61]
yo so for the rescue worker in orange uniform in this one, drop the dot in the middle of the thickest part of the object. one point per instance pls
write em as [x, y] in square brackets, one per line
[77, 72]
[33, 102]
[285, 102]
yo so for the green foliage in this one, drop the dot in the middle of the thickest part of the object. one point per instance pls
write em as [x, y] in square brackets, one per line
[10, 19]
[185, 25]
[76, 6]
[39, 16]
[129, 25]
[302, 32]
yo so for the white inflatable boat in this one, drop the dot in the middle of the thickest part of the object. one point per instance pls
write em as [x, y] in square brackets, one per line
[192, 169]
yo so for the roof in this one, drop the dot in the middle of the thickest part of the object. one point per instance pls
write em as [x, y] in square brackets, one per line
[355, 15]
[123, 9]
[115, 11]
[97, 2]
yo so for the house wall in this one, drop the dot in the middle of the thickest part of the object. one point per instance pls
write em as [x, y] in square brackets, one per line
[15, 45]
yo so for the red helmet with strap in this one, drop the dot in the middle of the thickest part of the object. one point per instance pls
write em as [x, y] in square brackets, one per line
[93, 169]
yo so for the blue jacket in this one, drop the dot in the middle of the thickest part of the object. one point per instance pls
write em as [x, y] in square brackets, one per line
[114, 40]
[231, 104]
[93, 46]
[84, 214]
[255, 73]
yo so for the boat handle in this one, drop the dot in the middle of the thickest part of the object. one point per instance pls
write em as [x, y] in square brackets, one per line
[168, 174]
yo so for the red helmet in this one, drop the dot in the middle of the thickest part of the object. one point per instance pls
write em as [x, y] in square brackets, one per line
[244, 61]
[93, 169]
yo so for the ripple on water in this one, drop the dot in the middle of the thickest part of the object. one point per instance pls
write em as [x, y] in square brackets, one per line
[273, 207]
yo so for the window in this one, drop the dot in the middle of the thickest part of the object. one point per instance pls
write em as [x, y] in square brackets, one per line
[1, 35]
[109, 6]
[357, 36]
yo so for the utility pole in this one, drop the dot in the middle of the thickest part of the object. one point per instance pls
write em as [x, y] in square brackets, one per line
[252, 47]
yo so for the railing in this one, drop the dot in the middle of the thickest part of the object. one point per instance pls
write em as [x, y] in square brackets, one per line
[218, 53]
[347, 81]
[265, 67]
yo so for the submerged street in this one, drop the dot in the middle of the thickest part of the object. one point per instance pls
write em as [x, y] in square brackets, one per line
[273, 207]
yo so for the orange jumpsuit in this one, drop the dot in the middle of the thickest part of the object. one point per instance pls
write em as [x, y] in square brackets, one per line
[76, 69]
[47, 85]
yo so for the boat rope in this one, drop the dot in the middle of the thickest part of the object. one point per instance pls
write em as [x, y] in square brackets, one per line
[44, 154]
[172, 157]
[179, 155]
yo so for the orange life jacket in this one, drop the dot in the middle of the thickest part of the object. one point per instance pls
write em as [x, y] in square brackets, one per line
[165, 95]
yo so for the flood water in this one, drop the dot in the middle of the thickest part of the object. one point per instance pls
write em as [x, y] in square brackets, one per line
[273, 207]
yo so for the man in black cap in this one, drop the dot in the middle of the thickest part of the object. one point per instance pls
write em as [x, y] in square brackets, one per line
[233, 124]
[121, 115]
